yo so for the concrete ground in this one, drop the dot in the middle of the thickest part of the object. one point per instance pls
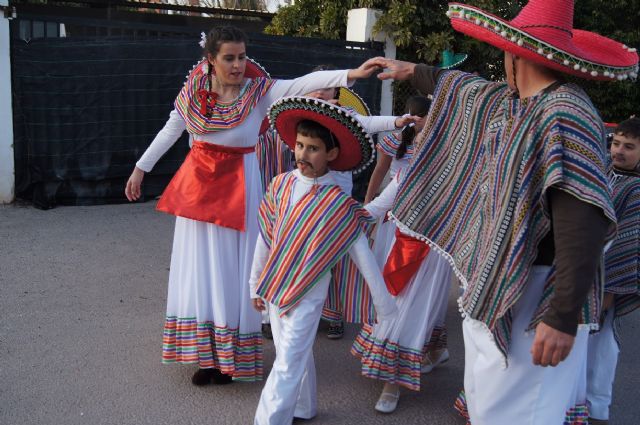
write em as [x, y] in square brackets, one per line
[82, 299]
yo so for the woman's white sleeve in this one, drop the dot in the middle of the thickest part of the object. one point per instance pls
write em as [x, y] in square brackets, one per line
[376, 124]
[307, 83]
[366, 262]
[260, 257]
[171, 132]
[383, 202]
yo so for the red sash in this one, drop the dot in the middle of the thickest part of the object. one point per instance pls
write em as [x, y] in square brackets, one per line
[403, 262]
[209, 186]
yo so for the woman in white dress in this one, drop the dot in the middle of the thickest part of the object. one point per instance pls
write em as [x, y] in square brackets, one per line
[394, 153]
[215, 196]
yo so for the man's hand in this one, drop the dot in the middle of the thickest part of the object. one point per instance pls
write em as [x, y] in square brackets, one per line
[394, 69]
[550, 346]
[363, 71]
[258, 304]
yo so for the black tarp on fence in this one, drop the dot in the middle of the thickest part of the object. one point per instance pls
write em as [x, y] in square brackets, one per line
[86, 109]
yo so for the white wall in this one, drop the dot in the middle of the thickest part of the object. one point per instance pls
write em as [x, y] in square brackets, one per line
[360, 24]
[7, 174]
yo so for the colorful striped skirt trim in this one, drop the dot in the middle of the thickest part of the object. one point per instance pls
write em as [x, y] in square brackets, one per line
[577, 415]
[190, 342]
[387, 361]
[438, 340]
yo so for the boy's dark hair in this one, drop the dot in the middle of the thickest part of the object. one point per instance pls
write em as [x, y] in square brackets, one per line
[416, 105]
[310, 128]
[629, 128]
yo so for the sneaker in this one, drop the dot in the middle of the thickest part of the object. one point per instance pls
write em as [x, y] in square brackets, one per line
[266, 331]
[336, 330]
[428, 363]
[387, 402]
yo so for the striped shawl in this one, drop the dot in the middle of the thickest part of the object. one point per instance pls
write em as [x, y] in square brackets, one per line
[220, 115]
[622, 259]
[476, 189]
[306, 238]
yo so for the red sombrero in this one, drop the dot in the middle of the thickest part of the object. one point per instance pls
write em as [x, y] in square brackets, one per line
[543, 32]
[356, 146]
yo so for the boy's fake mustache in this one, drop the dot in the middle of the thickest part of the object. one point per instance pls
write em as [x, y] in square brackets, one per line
[302, 161]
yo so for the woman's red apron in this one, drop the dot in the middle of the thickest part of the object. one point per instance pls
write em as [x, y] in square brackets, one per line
[209, 186]
[403, 261]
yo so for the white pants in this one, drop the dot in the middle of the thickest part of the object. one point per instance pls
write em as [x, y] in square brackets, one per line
[521, 393]
[290, 389]
[601, 368]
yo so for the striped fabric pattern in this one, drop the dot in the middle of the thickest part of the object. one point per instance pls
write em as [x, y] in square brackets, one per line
[387, 361]
[476, 189]
[223, 116]
[349, 298]
[390, 143]
[438, 339]
[274, 157]
[577, 415]
[187, 341]
[622, 260]
[306, 239]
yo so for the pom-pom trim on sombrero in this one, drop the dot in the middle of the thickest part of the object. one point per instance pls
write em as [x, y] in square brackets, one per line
[506, 34]
[336, 116]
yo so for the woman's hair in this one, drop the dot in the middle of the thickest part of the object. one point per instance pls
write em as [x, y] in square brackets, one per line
[219, 35]
[310, 128]
[416, 105]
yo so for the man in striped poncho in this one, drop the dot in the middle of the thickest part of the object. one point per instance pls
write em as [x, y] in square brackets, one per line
[508, 182]
[622, 269]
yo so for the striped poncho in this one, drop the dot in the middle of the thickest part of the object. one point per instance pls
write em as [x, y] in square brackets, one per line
[622, 259]
[194, 99]
[305, 239]
[476, 189]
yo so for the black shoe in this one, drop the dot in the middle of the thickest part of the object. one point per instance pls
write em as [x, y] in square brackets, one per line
[336, 330]
[219, 378]
[202, 377]
[266, 331]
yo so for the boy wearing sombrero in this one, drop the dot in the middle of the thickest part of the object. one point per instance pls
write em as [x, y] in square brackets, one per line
[307, 223]
[509, 184]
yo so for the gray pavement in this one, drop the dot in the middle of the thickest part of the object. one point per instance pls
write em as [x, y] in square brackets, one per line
[82, 299]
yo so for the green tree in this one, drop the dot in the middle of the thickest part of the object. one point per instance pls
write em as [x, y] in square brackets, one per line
[421, 31]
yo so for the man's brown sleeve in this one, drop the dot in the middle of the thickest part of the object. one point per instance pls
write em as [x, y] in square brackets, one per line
[579, 232]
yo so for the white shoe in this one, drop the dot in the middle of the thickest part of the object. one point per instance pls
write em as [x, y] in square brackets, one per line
[387, 402]
[430, 364]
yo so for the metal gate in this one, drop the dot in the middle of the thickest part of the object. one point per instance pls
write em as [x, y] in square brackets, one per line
[90, 93]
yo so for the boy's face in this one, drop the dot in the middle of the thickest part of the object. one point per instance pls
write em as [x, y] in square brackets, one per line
[625, 152]
[312, 156]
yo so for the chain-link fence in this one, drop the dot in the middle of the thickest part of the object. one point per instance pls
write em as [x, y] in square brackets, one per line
[402, 90]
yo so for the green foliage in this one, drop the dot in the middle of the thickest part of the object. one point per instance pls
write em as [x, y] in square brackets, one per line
[422, 31]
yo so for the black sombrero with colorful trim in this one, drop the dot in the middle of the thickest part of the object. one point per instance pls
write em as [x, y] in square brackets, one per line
[357, 150]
